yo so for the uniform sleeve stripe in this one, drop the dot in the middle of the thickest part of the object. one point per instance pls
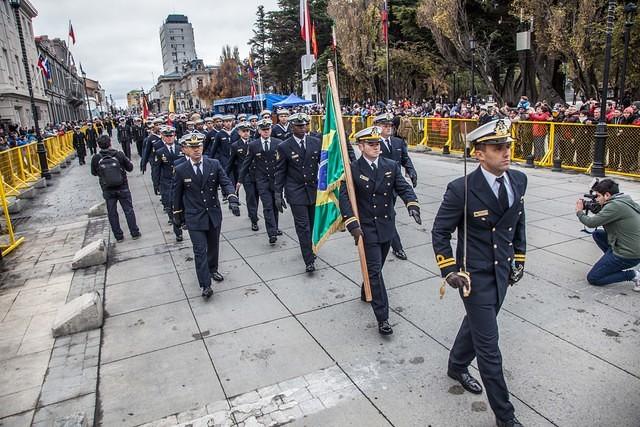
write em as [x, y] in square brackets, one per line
[350, 220]
[447, 264]
[413, 204]
[445, 261]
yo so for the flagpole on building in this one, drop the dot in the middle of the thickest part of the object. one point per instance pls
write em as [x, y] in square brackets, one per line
[386, 38]
[347, 174]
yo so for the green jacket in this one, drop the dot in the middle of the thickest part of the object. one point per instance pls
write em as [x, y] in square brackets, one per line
[620, 217]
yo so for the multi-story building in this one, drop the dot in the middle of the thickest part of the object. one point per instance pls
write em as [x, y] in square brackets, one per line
[64, 87]
[15, 104]
[184, 85]
[133, 100]
[97, 98]
[177, 43]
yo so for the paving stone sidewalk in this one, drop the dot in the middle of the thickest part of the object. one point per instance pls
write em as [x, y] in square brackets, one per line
[275, 345]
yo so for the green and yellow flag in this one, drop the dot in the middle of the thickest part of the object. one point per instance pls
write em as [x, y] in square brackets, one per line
[330, 174]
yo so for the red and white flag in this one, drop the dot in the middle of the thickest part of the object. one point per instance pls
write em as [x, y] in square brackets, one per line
[72, 34]
[384, 17]
[304, 19]
[334, 40]
[314, 42]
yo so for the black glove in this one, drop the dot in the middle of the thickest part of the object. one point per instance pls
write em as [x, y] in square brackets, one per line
[517, 271]
[156, 190]
[178, 219]
[234, 205]
[456, 281]
[414, 212]
[280, 204]
[356, 232]
[414, 179]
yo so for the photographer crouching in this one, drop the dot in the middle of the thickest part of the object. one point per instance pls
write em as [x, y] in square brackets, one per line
[619, 215]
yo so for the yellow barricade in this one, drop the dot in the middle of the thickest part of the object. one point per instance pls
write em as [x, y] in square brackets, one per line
[8, 241]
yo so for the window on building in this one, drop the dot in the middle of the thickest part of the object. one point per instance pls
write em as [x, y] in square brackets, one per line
[172, 38]
[5, 66]
[19, 70]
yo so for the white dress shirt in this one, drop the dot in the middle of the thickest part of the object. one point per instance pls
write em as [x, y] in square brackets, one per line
[495, 185]
[195, 168]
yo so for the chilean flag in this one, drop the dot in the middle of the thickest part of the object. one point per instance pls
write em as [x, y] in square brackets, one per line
[72, 34]
[304, 19]
[43, 64]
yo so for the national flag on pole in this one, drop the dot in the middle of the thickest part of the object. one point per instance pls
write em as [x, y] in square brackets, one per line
[72, 34]
[144, 106]
[304, 18]
[334, 40]
[43, 64]
[330, 175]
[252, 76]
[384, 17]
[314, 42]
[172, 104]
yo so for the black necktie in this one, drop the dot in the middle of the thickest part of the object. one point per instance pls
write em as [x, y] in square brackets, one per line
[198, 171]
[387, 143]
[503, 198]
[266, 145]
[302, 146]
[375, 170]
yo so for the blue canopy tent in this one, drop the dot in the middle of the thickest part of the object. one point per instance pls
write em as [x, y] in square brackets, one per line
[292, 100]
[246, 104]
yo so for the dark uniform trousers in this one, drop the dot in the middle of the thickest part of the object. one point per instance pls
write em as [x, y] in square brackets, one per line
[400, 154]
[238, 153]
[197, 197]
[263, 164]
[374, 194]
[167, 161]
[152, 143]
[297, 174]
[138, 134]
[495, 238]
[124, 138]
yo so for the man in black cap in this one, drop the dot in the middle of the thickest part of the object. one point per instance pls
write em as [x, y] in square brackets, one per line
[238, 153]
[395, 148]
[168, 156]
[261, 158]
[196, 205]
[375, 180]
[297, 174]
[490, 257]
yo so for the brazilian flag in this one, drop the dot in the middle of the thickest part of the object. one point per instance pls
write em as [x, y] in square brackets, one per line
[330, 174]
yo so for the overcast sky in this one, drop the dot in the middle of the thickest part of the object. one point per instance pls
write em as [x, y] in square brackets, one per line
[118, 41]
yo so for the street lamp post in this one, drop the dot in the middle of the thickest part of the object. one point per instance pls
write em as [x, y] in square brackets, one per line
[472, 47]
[597, 169]
[86, 96]
[40, 148]
[630, 16]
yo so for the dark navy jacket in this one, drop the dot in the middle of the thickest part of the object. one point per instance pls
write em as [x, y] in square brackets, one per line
[399, 153]
[208, 140]
[280, 132]
[375, 199]
[263, 163]
[199, 200]
[149, 147]
[221, 147]
[166, 164]
[494, 239]
[238, 153]
[297, 171]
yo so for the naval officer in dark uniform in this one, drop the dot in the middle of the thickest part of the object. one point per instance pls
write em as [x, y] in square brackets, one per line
[395, 148]
[496, 245]
[168, 156]
[238, 153]
[297, 174]
[196, 204]
[281, 130]
[376, 180]
[261, 159]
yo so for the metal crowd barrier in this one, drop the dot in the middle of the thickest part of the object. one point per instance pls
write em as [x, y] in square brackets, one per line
[19, 168]
[571, 143]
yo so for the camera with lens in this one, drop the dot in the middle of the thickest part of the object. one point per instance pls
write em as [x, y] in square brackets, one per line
[590, 204]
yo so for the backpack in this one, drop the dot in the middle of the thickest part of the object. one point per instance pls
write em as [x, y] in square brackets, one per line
[110, 170]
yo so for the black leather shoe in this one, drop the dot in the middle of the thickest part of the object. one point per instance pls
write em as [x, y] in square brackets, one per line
[273, 240]
[385, 328]
[362, 296]
[136, 236]
[207, 292]
[310, 268]
[513, 422]
[170, 222]
[179, 238]
[400, 254]
[119, 239]
[466, 380]
[217, 276]
[279, 232]
[254, 226]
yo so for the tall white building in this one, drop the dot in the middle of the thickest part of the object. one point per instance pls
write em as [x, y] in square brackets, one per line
[177, 43]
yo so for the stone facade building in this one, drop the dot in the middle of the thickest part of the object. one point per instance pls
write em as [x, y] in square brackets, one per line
[177, 43]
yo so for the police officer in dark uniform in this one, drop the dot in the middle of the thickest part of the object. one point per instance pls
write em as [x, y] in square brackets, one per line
[92, 138]
[262, 157]
[124, 138]
[151, 144]
[196, 204]
[375, 181]
[221, 147]
[395, 148]
[281, 129]
[79, 144]
[168, 156]
[496, 242]
[238, 153]
[297, 174]
[138, 134]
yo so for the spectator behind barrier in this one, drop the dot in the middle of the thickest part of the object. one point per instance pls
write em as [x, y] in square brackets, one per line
[619, 215]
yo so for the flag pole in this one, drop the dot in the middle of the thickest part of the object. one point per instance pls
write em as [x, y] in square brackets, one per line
[347, 174]
[386, 8]
[68, 45]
